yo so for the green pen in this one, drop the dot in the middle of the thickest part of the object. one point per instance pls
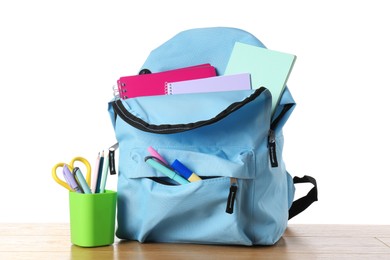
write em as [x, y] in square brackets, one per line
[81, 180]
[153, 162]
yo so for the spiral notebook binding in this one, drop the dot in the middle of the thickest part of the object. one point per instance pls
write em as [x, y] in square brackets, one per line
[115, 91]
[167, 89]
[118, 91]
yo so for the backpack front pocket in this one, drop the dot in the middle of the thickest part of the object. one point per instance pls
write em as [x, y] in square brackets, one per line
[193, 212]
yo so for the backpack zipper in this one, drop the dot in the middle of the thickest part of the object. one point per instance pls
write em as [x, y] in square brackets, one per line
[232, 196]
[272, 148]
[271, 136]
[140, 124]
[111, 158]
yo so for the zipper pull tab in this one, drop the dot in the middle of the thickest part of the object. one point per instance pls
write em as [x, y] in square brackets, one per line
[111, 158]
[232, 195]
[272, 148]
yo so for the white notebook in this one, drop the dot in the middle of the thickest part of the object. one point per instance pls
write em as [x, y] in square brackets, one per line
[211, 84]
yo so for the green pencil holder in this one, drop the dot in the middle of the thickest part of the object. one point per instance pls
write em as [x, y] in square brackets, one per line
[92, 218]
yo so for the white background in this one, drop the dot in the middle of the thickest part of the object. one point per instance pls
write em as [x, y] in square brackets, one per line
[59, 59]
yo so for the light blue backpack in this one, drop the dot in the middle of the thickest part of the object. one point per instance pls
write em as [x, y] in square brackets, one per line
[228, 138]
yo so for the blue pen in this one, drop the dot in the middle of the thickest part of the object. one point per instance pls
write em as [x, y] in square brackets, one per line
[153, 162]
[100, 171]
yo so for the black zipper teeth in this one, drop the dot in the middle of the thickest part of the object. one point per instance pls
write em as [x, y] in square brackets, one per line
[271, 136]
[286, 108]
[169, 129]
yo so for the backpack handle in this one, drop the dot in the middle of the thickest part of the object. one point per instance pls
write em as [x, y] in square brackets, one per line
[303, 203]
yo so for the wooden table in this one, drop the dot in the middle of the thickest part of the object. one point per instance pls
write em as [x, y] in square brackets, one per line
[52, 241]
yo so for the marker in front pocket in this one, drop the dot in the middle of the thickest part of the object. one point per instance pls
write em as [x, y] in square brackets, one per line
[184, 171]
[160, 167]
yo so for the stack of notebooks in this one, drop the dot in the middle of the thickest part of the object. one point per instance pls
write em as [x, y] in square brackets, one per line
[249, 67]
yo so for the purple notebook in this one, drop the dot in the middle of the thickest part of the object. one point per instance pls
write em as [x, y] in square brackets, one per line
[212, 84]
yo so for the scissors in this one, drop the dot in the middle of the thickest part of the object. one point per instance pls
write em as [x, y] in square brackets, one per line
[71, 167]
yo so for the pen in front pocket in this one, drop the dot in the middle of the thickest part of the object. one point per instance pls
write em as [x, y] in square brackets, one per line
[155, 154]
[160, 167]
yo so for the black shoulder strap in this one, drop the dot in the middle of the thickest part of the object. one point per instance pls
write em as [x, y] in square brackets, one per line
[301, 204]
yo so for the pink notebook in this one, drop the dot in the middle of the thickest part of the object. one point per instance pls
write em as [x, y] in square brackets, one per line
[155, 83]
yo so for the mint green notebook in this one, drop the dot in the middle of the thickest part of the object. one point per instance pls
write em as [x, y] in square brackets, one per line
[268, 68]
